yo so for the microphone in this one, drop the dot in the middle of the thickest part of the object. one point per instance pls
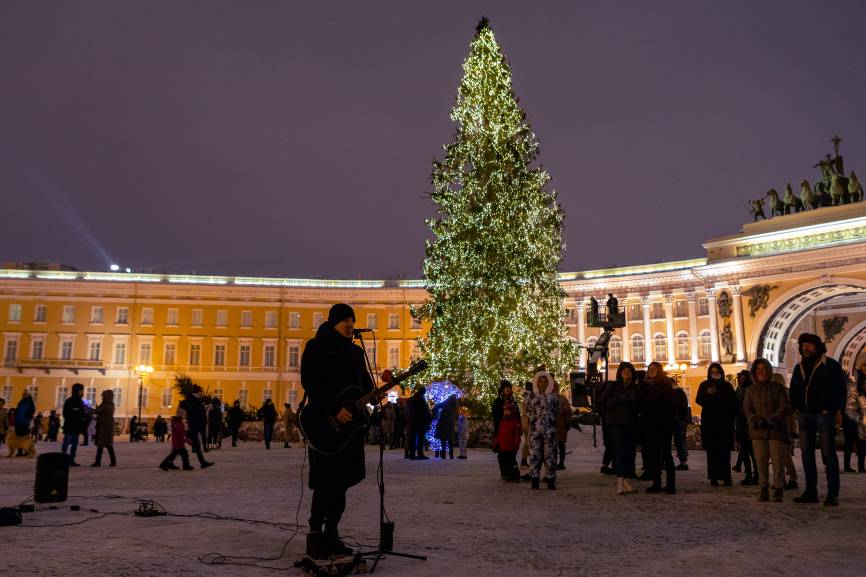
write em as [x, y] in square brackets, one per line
[357, 332]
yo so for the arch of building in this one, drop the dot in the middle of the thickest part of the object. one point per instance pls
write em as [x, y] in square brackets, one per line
[850, 346]
[774, 325]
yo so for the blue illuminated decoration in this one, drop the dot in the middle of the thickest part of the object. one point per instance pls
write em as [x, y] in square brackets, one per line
[438, 392]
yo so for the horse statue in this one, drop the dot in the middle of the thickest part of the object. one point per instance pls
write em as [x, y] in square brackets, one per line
[757, 209]
[776, 204]
[855, 189]
[807, 197]
[793, 204]
[839, 190]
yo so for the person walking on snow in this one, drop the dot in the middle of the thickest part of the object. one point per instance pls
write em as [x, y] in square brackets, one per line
[543, 404]
[104, 436]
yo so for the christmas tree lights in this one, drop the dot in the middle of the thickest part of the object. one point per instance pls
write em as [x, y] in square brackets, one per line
[496, 307]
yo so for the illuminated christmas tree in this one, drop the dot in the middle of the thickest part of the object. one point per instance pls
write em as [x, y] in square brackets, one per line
[496, 306]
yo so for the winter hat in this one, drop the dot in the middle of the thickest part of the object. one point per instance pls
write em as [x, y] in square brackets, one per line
[814, 339]
[551, 385]
[340, 312]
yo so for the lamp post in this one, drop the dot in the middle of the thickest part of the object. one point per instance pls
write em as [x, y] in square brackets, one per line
[143, 371]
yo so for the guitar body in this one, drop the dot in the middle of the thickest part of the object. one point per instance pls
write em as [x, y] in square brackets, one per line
[326, 435]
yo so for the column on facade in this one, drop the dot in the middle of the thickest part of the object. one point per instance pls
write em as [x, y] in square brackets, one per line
[694, 338]
[714, 325]
[669, 324]
[647, 330]
[581, 333]
[739, 331]
[626, 343]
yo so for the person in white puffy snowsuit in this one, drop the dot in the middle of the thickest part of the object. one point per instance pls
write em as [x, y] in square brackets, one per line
[542, 404]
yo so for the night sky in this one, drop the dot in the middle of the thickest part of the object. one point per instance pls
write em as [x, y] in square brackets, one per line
[296, 138]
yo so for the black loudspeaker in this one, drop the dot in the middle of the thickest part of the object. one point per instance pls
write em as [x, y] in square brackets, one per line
[52, 478]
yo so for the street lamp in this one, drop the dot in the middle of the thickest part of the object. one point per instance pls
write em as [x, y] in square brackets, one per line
[143, 371]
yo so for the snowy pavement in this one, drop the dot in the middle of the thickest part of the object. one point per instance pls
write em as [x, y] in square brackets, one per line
[458, 513]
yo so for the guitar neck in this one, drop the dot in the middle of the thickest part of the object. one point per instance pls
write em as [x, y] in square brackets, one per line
[377, 394]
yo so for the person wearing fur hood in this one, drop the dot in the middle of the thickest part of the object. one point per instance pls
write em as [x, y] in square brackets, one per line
[542, 404]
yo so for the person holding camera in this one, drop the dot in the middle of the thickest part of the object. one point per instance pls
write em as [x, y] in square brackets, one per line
[766, 408]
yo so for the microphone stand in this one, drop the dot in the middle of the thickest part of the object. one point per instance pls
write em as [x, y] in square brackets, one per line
[386, 530]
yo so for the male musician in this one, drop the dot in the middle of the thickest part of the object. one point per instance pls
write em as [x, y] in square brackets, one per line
[332, 362]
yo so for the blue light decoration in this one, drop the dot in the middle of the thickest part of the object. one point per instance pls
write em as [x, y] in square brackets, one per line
[438, 392]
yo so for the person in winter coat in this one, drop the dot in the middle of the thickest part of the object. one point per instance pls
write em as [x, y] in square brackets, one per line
[462, 432]
[160, 429]
[719, 408]
[88, 423]
[268, 414]
[4, 420]
[855, 409]
[791, 424]
[236, 417]
[563, 424]
[818, 391]
[543, 405]
[215, 423]
[36, 430]
[745, 453]
[24, 412]
[681, 426]
[766, 408]
[288, 425]
[389, 417]
[657, 417]
[446, 425]
[104, 437]
[524, 425]
[192, 409]
[73, 422]
[608, 467]
[419, 419]
[53, 426]
[133, 429]
[178, 446]
[506, 432]
[620, 401]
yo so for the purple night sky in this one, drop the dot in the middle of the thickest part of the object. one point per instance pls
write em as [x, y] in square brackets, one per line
[296, 138]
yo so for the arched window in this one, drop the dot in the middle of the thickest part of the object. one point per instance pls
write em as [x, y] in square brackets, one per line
[704, 345]
[615, 350]
[590, 343]
[660, 346]
[682, 341]
[637, 351]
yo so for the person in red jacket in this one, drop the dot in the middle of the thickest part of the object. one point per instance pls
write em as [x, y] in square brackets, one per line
[506, 432]
[178, 446]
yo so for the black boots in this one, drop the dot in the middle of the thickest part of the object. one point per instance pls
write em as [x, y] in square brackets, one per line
[777, 495]
[536, 483]
[551, 484]
[335, 545]
[765, 494]
[316, 545]
[328, 544]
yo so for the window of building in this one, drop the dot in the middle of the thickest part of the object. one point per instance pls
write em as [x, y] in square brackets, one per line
[145, 355]
[219, 355]
[269, 355]
[119, 354]
[167, 398]
[393, 321]
[244, 356]
[142, 395]
[682, 346]
[122, 316]
[267, 394]
[246, 319]
[270, 319]
[660, 346]
[294, 320]
[95, 350]
[317, 320]
[635, 312]
[393, 356]
[416, 323]
[7, 392]
[222, 318]
[413, 351]
[96, 315]
[66, 348]
[169, 354]
[197, 319]
[292, 397]
[34, 392]
[118, 396]
[219, 394]
[658, 311]
[172, 317]
[614, 350]
[194, 355]
[14, 313]
[37, 348]
[62, 395]
[590, 343]
[703, 307]
[147, 316]
[244, 397]
[371, 354]
[90, 394]
[40, 314]
[11, 350]
[294, 356]
[704, 345]
[681, 308]
[372, 321]
[68, 314]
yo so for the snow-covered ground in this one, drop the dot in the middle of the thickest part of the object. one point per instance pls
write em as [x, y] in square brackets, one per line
[458, 513]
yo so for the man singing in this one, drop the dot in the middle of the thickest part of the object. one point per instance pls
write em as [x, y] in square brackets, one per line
[330, 364]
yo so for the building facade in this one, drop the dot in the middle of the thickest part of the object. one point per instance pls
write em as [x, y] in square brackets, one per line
[242, 337]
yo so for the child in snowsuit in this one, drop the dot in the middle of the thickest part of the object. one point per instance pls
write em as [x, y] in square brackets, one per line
[542, 404]
[462, 433]
[178, 446]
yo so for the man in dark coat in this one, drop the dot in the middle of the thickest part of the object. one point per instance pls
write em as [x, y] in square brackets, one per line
[268, 415]
[818, 391]
[719, 408]
[419, 422]
[24, 414]
[658, 414]
[193, 409]
[331, 363]
[236, 417]
[73, 422]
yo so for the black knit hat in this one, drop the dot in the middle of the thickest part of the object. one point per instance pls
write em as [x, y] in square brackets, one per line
[340, 312]
[814, 339]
